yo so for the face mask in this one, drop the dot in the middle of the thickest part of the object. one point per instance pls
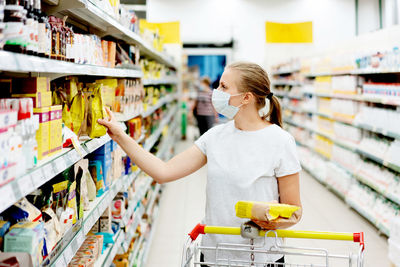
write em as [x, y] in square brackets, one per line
[220, 101]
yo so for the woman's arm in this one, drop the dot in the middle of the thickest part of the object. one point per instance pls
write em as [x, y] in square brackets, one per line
[178, 167]
[289, 189]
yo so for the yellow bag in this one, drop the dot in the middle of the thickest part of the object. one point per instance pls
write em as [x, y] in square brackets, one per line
[269, 215]
[96, 111]
[73, 117]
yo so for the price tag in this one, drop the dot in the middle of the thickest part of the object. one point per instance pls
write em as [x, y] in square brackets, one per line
[97, 213]
[60, 165]
[25, 184]
[88, 225]
[38, 177]
[80, 238]
[68, 254]
[7, 197]
[60, 262]
[68, 159]
[74, 156]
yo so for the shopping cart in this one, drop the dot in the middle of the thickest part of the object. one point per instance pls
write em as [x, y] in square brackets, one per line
[192, 249]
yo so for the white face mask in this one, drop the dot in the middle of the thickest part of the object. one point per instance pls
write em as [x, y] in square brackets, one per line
[220, 101]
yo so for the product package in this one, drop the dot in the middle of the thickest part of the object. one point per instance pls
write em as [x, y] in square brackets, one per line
[269, 215]
[43, 133]
[96, 172]
[55, 129]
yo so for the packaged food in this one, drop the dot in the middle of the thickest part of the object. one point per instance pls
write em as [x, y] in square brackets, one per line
[72, 201]
[269, 215]
[26, 237]
[96, 111]
[96, 172]
[40, 99]
[73, 117]
[52, 227]
[31, 85]
[43, 133]
[55, 125]
[105, 221]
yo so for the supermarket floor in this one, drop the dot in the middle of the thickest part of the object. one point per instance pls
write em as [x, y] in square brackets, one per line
[182, 207]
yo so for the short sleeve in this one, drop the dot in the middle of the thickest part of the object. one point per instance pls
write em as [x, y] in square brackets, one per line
[201, 143]
[288, 161]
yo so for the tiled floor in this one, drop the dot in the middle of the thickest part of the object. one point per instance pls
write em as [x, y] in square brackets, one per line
[182, 207]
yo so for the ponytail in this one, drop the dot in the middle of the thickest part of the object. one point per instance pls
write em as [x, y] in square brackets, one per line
[274, 113]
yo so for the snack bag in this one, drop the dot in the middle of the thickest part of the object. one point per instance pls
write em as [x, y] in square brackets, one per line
[269, 215]
[72, 201]
[96, 111]
[74, 116]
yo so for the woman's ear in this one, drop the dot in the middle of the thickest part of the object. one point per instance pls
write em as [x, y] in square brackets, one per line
[247, 97]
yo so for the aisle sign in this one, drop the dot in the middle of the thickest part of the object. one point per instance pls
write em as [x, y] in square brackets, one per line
[170, 31]
[301, 32]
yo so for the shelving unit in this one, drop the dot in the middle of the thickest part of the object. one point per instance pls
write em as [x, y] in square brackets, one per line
[87, 16]
[86, 13]
[20, 63]
[301, 95]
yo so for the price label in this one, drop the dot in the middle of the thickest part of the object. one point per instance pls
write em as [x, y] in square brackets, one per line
[25, 184]
[68, 159]
[38, 177]
[7, 197]
[48, 171]
[88, 225]
[60, 165]
[68, 254]
[60, 262]
[80, 238]
[97, 213]
[74, 156]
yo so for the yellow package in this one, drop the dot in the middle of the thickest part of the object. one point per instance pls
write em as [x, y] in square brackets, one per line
[73, 117]
[269, 215]
[43, 133]
[96, 111]
[71, 203]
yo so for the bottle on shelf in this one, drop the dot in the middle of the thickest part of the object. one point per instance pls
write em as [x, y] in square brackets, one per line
[55, 37]
[14, 26]
[31, 22]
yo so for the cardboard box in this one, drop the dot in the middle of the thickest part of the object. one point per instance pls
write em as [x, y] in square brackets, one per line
[55, 129]
[40, 99]
[31, 85]
[111, 54]
[43, 133]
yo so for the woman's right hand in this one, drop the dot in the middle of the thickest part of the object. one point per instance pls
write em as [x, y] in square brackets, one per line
[114, 129]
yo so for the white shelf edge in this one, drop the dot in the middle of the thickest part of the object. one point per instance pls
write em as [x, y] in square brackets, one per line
[46, 171]
[160, 81]
[15, 62]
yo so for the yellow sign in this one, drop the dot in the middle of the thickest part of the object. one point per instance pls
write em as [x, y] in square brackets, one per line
[170, 31]
[301, 32]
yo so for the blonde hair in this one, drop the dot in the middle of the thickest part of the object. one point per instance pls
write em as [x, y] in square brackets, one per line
[254, 79]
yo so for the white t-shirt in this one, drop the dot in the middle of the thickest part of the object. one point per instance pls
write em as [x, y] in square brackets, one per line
[243, 165]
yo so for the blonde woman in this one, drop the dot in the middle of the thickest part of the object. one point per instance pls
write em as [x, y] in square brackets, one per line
[249, 158]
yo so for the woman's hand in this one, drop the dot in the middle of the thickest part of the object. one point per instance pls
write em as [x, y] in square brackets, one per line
[115, 131]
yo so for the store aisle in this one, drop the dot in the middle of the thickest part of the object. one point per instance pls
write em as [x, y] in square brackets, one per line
[182, 207]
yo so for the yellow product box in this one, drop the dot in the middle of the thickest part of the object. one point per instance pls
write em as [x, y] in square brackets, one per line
[40, 99]
[43, 133]
[55, 133]
[31, 85]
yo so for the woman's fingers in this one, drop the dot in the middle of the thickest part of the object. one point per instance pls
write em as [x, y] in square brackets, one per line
[104, 123]
[109, 113]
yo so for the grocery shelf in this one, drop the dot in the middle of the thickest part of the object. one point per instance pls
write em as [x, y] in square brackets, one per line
[348, 146]
[387, 194]
[151, 237]
[287, 95]
[361, 98]
[173, 80]
[45, 171]
[354, 72]
[362, 126]
[288, 71]
[132, 228]
[368, 216]
[15, 62]
[94, 17]
[135, 251]
[150, 110]
[350, 202]
[106, 259]
[290, 83]
[153, 198]
[98, 206]
[154, 137]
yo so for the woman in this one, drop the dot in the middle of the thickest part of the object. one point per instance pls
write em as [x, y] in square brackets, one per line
[249, 158]
[205, 113]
